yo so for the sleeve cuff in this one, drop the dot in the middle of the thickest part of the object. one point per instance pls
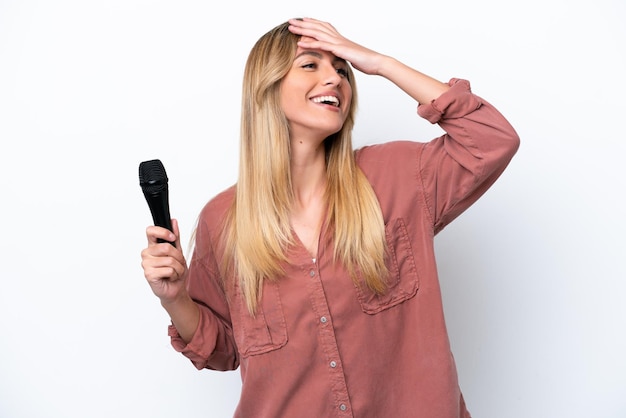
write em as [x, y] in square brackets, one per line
[457, 102]
[200, 348]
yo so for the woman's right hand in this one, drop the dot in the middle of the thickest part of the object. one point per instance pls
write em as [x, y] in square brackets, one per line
[165, 269]
[164, 264]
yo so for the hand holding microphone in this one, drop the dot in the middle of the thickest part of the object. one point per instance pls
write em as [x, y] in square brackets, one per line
[164, 268]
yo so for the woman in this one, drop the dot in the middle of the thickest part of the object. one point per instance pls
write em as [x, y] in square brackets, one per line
[315, 274]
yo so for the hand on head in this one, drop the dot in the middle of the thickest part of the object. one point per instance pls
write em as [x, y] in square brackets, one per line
[322, 35]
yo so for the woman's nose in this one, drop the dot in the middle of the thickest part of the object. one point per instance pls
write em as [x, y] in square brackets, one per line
[331, 77]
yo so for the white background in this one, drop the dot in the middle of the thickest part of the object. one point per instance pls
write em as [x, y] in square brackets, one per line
[533, 274]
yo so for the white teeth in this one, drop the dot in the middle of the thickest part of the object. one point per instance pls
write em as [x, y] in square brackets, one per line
[327, 99]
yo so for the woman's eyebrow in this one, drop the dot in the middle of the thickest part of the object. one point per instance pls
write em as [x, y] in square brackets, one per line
[319, 55]
[312, 53]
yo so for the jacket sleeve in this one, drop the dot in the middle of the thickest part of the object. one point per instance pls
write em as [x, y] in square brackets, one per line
[213, 345]
[458, 167]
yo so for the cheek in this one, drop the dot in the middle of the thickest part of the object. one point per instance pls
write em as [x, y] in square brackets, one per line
[292, 106]
[347, 96]
[289, 102]
[291, 93]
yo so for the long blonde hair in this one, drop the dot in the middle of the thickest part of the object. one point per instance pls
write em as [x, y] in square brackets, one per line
[257, 228]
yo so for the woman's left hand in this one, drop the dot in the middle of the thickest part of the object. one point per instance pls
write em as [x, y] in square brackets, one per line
[322, 35]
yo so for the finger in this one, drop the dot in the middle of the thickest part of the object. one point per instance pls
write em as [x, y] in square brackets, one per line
[154, 275]
[160, 267]
[310, 23]
[176, 231]
[162, 254]
[156, 233]
[312, 28]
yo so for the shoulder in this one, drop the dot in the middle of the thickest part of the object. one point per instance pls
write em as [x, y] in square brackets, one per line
[387, 148]
[216, 209]
[210, 225]
[388, 155]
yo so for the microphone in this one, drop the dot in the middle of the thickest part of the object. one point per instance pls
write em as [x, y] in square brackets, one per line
[153, 181]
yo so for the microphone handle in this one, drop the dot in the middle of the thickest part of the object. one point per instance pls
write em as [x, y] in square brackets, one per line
[159, 208]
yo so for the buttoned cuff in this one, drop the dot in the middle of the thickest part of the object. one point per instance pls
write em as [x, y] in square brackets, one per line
[202, 344]
[457, 102]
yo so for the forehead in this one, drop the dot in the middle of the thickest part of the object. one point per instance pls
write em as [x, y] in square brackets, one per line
[317, 53]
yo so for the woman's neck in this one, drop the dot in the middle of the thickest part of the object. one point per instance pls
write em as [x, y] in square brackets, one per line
[308, 173]
[308, 178]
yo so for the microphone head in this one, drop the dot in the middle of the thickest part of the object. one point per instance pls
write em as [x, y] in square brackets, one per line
[152, 176]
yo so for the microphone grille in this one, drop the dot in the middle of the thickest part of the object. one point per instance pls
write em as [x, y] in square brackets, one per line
[152, 176]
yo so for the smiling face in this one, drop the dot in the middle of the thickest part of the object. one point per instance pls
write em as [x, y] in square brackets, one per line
[316, 94]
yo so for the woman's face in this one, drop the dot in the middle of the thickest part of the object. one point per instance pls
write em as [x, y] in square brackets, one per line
[316, 94]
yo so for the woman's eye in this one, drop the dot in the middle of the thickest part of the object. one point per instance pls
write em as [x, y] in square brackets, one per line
[310, 65]
[342, 72]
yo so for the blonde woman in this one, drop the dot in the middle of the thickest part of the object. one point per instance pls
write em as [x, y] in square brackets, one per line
[315, 274]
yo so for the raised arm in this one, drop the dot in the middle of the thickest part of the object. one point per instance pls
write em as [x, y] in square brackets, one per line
[322, 35]
[456, 168]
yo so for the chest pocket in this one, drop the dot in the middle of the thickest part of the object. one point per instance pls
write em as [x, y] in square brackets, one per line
[403, 281]
[264, 332]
